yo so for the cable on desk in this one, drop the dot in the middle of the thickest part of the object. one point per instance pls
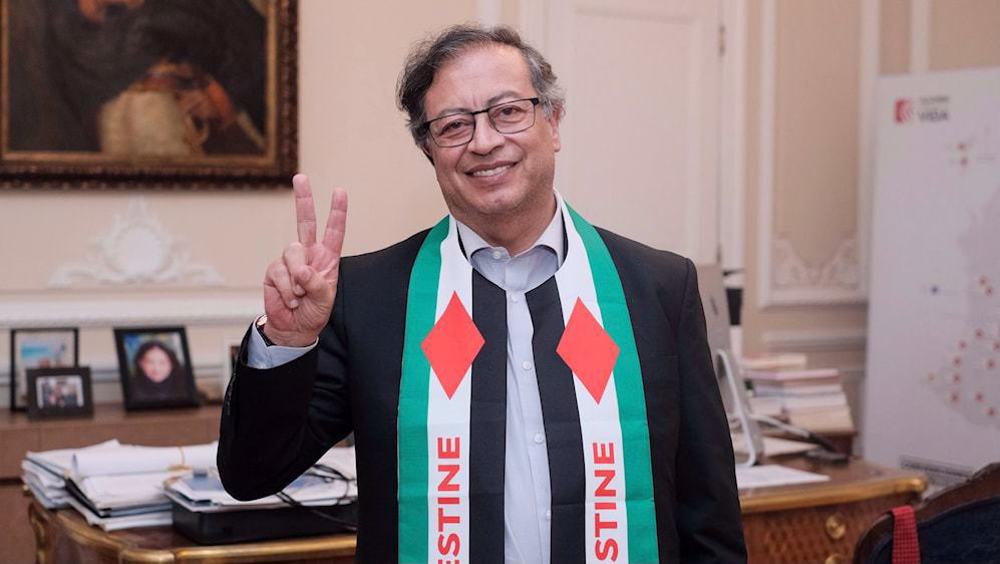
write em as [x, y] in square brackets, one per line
[797, 431]
[291, 501]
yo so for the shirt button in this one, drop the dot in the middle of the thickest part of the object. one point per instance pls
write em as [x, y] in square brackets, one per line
[514, 298]
[548, 514]
[497, 255]
[526, 365]
[539, 438]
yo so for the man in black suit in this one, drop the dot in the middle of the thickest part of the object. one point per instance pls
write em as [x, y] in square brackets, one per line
[523, 387]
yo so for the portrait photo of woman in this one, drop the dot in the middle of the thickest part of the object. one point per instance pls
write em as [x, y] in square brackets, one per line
[155, 368]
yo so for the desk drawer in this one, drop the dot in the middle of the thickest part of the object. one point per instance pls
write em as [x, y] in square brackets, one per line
[824, 534]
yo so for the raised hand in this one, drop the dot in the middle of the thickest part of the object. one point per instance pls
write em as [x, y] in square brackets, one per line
[300, 285]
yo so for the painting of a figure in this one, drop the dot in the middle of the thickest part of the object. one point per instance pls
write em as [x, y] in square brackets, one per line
[148, 87]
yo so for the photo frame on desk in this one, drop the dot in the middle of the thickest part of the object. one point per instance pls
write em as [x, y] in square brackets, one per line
[59, 392]
[44, 347]
[154, 365]
[165, 94]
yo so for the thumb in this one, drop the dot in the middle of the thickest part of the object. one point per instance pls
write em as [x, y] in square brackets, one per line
[315, 285]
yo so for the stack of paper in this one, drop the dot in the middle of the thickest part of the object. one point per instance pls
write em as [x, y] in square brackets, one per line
[331, 481]
[113, 486]
[44, 473]
[116, 486]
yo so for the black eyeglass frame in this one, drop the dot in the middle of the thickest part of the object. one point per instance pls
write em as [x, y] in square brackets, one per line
[426, 126]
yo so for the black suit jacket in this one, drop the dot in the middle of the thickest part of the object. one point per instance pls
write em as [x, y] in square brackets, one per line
[277, 422]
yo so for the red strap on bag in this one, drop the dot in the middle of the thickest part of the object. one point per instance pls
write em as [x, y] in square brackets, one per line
[905, 548]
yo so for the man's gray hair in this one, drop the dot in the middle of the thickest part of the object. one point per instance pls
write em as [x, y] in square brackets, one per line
[431, 54]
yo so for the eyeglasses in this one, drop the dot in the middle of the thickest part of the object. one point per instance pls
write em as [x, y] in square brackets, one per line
[455, 130]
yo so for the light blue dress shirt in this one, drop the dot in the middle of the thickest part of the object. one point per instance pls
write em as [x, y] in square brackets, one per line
[527, 490]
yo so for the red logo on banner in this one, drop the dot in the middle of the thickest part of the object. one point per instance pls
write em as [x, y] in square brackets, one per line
[904, 110]
[588, 350]
[452, 345]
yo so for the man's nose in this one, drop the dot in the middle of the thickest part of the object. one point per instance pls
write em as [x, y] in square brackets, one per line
[485, 138]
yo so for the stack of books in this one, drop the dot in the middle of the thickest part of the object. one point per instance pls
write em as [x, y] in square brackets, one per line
[812, 399]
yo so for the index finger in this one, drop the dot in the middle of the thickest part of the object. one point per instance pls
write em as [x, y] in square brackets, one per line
[336, 222]
[305, 211]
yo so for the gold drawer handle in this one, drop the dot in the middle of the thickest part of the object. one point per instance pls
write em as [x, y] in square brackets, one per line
[835, 559]
[836, 528]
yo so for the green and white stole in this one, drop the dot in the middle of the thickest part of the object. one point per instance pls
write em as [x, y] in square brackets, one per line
[452, 405]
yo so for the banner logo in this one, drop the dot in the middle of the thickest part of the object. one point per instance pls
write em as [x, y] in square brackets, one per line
[904, 110]
[927, 109]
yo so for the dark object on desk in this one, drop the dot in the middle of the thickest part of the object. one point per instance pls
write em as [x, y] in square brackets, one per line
[959, 524]
[824, 456]
[228, 527]
[59, 392]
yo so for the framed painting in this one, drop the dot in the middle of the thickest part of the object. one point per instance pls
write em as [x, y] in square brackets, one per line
[154, 93]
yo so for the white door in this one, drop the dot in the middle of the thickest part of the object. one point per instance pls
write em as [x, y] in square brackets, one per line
[641, 135]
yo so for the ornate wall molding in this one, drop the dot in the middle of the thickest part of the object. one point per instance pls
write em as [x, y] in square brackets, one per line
[732, 163]
[136, 249]
[839, 272]
[122, 312]
[783, 277]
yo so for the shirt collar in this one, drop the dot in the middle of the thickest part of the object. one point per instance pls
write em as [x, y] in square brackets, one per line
[554, 237]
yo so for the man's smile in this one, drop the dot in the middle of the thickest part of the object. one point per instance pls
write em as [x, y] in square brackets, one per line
[490, 169]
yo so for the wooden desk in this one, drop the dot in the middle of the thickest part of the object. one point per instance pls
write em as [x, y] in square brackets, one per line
[822, 522]
[19, 435]
[794, 524]
[63, 537]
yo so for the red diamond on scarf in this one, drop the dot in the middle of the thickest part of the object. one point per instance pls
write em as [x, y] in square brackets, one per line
[588, 350]
[452, 345]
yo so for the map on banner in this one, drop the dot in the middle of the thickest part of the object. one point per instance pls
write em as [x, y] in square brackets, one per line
[933, 391]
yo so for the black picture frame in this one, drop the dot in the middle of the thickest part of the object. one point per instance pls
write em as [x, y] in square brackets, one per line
[59, 392]
[147, 386]
[165, 95]
[37, 347]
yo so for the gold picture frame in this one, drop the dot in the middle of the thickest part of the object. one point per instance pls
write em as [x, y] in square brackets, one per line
[151, 93]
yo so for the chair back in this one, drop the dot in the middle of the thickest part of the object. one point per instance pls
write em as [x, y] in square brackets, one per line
[958, 524]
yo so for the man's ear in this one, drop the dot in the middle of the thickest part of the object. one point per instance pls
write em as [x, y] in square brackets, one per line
[554, 119]
[426, 150]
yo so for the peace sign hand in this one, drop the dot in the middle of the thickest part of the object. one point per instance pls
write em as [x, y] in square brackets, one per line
[300, 285]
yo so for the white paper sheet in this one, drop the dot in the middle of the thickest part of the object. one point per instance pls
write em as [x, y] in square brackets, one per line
[769, 475]
[61, 461]
[129, 459]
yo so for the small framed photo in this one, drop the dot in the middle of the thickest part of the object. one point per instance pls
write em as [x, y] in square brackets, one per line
[155, 368]
[59, 392]
[55, 347]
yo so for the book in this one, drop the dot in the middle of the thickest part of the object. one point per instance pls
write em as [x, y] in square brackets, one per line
[823, 419]
[812, 374]
[768, 405]
[784, 361]
[782, 389]
[812, 402]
